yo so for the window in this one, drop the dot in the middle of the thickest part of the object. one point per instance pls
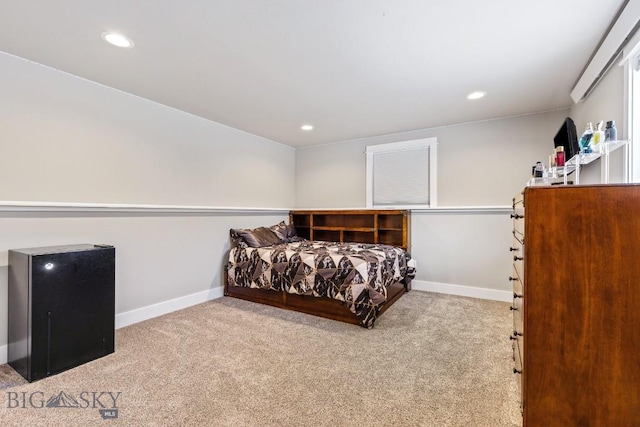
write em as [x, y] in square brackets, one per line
[634, 117]
[402, 174]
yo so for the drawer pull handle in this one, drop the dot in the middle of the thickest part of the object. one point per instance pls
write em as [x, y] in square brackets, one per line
[514, 249]
[517, 334]
[517, 295]
[511, 279]
[516, 216]
[515, 371]
[518, 258]
[512, 338]
[512, 308]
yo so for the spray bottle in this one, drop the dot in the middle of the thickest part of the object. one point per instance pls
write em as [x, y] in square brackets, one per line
[585, 139]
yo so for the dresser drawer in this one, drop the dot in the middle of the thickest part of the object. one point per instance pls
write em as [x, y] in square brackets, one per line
[518, 200]
[517, 356]
[517, 353]
[518, 224]
[517, 247]
[516, 253]
[518, 266]
[517, 308]
[516, 279]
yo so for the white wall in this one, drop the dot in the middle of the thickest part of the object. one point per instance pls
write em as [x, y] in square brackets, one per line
[65, 139]
[479, 164]
[465, 253]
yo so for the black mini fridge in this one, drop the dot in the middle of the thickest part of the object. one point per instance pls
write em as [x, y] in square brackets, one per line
[61, 307]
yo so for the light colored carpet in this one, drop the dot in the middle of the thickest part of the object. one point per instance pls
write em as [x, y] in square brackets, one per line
[431, 360]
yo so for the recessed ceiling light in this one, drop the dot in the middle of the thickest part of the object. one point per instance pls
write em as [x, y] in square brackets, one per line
[476, 95]
[306, 127]
[117, 39]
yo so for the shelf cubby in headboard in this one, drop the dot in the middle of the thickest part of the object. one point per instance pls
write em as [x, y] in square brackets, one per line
[390, 227]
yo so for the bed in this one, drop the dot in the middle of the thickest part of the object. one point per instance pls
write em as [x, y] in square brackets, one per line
[344, 265]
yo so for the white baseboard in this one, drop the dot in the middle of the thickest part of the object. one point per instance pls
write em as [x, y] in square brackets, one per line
[138, 315]
[465, 291]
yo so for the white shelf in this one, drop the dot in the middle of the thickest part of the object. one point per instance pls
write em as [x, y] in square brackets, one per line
[558, 175]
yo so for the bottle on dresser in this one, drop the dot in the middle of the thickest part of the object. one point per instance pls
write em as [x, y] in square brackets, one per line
[597, 138]
[560, 156]
[610, 132]
[585, 139]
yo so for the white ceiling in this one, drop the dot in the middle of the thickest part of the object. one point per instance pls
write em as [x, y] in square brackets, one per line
[352, 68]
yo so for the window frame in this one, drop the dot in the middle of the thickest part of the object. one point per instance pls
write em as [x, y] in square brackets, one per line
[631, 62]
[633, 115]
[430, 144]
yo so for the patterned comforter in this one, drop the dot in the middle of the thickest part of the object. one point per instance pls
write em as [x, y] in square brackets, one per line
[356, 273]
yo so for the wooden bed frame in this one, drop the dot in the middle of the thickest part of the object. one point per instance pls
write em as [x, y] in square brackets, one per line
[362, 226]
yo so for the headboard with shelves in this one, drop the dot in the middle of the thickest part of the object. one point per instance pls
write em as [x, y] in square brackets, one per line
[390, 227]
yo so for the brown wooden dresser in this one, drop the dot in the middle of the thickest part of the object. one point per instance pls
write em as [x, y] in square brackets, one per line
[576, 306]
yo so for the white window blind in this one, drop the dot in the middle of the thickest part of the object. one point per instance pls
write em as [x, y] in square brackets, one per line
[402, 174]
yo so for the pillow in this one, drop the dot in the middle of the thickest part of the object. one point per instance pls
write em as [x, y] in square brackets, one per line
[256, 238]
[236, 239]
[285, 232]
